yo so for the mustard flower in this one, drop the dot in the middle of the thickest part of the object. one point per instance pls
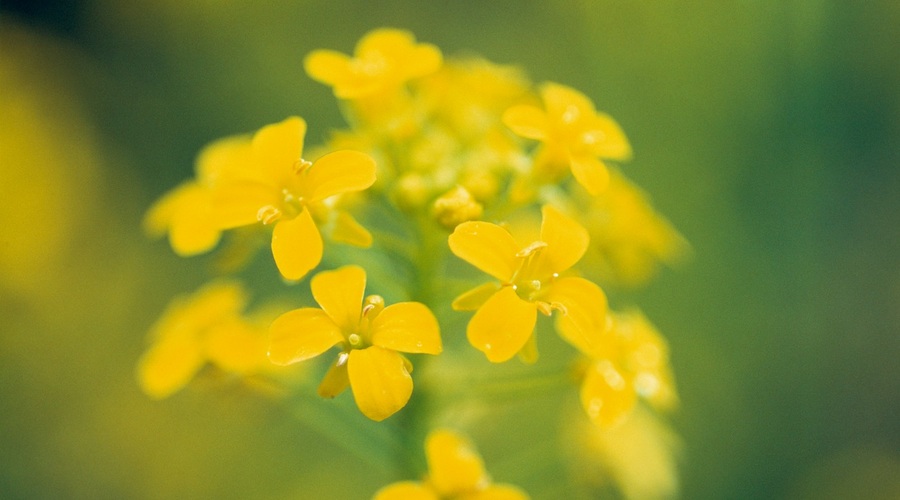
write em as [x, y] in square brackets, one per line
[573, 135]
[529, 281]
[455, 470]
[277, 186]
[370, 336]
[384, 60]
[629, 239]
[206, 326]
[629, 361]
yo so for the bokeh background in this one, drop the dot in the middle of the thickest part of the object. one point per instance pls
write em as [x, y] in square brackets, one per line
[768, 132]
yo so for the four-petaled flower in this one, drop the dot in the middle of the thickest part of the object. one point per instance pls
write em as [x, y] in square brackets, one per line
[370, 335]
[574, 135]
[277, 186]
[384, 60]
[629, 360]
[529, 281]
[207, 326]
[455, 470]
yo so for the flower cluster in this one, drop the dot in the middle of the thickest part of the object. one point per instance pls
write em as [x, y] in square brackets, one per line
[447, 162]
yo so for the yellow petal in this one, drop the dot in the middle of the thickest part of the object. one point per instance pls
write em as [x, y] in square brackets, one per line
[277, 147]
[475, 298]
[238, 204]
[581, 309]
[169, 365]
[237, 347]
[339, 172]
[406, 490]
[226, 159]
[499, 492]
[301, 334]
[336, 379]
[423, 60]
[566, 241]
[606, 395]
[193, 232]
[591, 173]
[502, 326]
[527, 121]
[606, 138]
[384, 43]
[327, 66]
[380, 382]
[159, 216]
[453, 464]
[486, 246]
[347, 230]
[296, 246]
[407, 327]
[566, 103]
[340, 294]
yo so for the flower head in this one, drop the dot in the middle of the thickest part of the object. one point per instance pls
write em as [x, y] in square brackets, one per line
[455, 470]
[370, 336]
[207, 326]
[573, 134]
[384, 60]
[276, 186]
[630, 360]
[529, 280]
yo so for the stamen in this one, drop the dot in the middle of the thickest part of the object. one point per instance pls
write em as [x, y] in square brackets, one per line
[532, 248]
[301, 166]
[268, 214]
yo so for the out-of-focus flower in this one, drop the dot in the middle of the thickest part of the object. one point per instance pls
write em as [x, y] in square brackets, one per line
[529, 281]
[573, 134]
[630, 360]
[384, 60]
[455, 470]
[370, 335]
[205, 327]
[628, 237]
[455, 207]
[639, 456]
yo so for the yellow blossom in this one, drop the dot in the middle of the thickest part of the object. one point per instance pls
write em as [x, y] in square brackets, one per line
[370, 336]
[529, 281]
[206, 326]
[276, 186]
[455, 470]
[384, 60]
[628, 237]
[630, 360]
[573, 134]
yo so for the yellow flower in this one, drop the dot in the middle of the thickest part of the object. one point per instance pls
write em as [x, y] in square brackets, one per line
[529, 281]
[630, 360]
[277, 186]
[384, 60]
[628, 237]
[455, 471]
[204, 327]
[370, 335]
[574, 135]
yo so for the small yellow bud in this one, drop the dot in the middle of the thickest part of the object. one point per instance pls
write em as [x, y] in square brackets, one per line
[455, 207]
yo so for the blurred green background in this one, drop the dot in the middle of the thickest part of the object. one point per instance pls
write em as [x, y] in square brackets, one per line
[768, 132]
